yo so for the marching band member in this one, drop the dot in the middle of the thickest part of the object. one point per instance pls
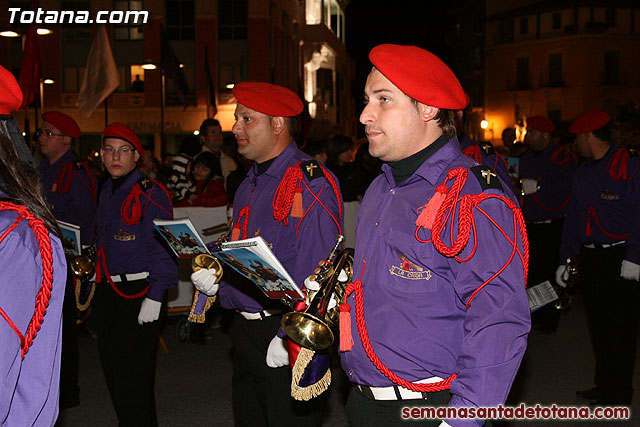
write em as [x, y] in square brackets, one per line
[295, 205]
[70, 188]
[601, 230]
[133, 272]
[32, 280]
[438, 313]
[545, 170]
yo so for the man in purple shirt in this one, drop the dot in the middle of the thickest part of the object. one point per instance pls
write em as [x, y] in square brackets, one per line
[438, 312]
[70, 188]
[32, 280]
[602, 233]
[295, 205]
[133, 272]
[546, 171]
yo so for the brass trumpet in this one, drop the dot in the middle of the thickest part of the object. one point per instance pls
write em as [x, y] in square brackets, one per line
[311, 328]
[82, 267]
[207, 261]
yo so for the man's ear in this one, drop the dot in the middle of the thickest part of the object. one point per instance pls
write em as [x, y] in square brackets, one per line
[427, 112]
[278, 125]
[67, 141]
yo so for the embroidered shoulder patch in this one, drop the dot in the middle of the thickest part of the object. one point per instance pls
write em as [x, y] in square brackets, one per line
[487, 148]
[311, 169]
[145, 183]
[487, 178]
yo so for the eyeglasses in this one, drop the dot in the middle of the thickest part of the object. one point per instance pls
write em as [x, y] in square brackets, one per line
[122, 150]
[47, 132]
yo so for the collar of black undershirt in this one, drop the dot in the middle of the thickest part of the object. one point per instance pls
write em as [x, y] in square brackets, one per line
[262, 167]
[117, 182]
[403, 169]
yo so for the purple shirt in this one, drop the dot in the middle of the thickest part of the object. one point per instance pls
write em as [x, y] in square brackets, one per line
[603, 210]
[136, 248]
[553, 167]
[77, 205]
[415, 314]
[298, 253]
[488, 157]
[29, 388]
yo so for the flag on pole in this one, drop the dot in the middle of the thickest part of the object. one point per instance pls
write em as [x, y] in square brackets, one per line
[171, 69]
[212, 89]
[29, 78]
[101, 76]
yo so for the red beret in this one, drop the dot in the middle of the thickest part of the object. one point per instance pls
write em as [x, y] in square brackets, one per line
[10, 93]
[64, 123]
[589, 121]
[540, 123]
[120, 131]
[419, 74]
[265, 98]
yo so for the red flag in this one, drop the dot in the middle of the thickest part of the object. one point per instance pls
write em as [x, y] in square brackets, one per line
[29, 78]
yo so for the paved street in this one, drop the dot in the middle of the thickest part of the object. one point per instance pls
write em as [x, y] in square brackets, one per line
[193, 381]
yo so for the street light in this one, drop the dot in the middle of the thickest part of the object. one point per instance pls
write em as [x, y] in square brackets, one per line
[149, 66]
[43, 31]
[9, 33]
[484, 124]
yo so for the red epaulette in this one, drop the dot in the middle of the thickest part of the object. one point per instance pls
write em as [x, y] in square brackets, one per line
[67, 173]
[132, 210]
[44, 294]
[562, 155]
[288, 196]
[619, 164]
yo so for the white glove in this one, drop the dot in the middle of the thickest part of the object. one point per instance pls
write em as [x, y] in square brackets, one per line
[562, 275]
[205, 281]
[149, 311]
[277, 353]
[529, 186]
[630, 270]
[444, 424]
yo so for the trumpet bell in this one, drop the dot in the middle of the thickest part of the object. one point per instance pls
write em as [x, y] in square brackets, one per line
[82, 267]
[206, 261]
[307, 330]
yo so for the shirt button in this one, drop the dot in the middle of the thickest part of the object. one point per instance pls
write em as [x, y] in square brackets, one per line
[351, 372]
[377, 223]
[392, 191]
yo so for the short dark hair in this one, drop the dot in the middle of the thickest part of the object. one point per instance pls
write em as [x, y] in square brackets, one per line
[289, 123]
[604, 133]
[445, 119]
[338, 144]
[208, 122]
[315, 146]
[190, 145]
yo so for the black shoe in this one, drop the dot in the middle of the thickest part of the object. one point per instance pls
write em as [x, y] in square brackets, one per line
[592, 394]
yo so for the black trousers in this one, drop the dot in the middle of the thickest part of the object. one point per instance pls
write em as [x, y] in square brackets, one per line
[128, 354]
[262, 395]
[544, 249]
[612, 308]
[365, 412]
[69, 390]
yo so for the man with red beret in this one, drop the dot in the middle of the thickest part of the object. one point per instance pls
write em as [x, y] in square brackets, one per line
[438, 313]
[295, 205]
[602, 233]
[545, 170]
[70, 188]
[133, 272]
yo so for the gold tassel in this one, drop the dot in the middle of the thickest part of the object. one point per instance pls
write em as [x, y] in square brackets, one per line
[314, 390]
[76, 285]
[199, 318]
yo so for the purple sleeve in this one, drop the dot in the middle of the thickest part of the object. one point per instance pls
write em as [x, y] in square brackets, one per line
[318, 230]
[633, 241]
[30, 387]
[162, 267]
[497, 320]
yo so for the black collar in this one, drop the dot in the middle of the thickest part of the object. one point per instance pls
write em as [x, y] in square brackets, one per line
[403, 169]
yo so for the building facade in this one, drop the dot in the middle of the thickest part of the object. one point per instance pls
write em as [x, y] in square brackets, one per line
[558, 58]
[295, 43]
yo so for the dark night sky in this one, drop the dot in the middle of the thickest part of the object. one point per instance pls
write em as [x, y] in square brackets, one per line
[372, 22]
